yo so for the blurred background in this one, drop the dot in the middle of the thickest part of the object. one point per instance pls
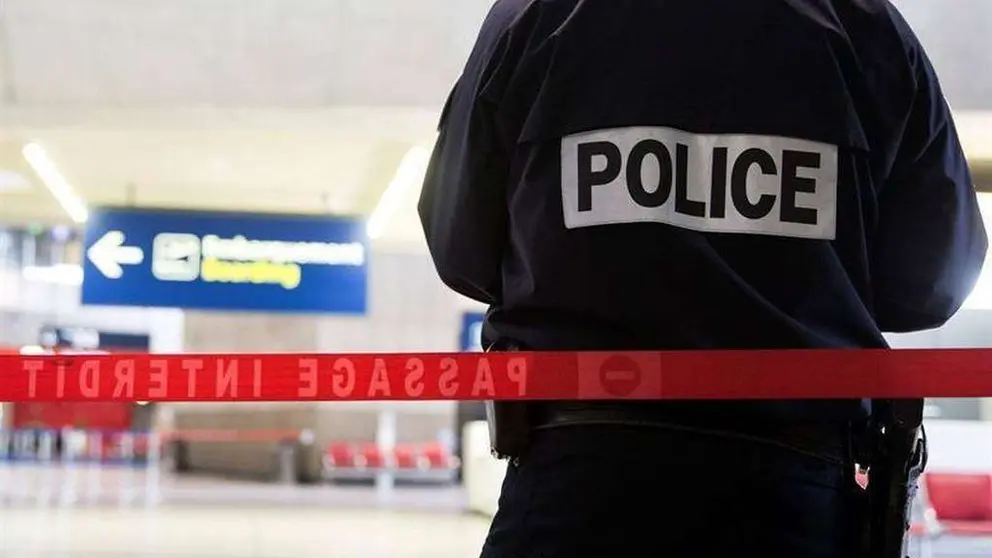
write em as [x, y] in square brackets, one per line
[281, 144]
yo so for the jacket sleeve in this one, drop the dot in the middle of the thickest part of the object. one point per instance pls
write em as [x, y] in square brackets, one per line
[462, 204]
[931, 242]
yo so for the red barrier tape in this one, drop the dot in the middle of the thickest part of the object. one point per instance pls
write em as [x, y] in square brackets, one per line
[795, 374]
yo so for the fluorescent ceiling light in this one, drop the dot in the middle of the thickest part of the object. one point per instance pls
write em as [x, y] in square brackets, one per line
[55, 182]
[410, 173]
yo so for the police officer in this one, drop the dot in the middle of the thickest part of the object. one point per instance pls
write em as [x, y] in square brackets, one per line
[706, 174]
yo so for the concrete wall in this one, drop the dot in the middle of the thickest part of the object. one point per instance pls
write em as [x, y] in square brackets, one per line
[250, 458]
[409, 310]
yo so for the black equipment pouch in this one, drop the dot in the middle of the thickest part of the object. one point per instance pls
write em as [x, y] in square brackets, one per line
[509, 421]
[899, 457]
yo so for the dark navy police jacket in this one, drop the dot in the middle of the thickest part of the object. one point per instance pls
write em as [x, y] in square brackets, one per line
[705, 174]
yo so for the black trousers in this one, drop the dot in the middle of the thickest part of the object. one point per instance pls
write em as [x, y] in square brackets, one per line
[628, 492]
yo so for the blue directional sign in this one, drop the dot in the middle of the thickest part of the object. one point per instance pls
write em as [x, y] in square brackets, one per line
[225, 261]
[471, 336]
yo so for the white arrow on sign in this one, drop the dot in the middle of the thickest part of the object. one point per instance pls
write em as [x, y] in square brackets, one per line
[109, 253]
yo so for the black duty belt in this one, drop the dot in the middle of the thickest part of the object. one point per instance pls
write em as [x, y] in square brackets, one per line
[826, 441]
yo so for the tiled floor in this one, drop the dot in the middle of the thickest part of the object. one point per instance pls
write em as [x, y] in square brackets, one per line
[86, 512]
[236, 532]
[121, 513]
[26, 485]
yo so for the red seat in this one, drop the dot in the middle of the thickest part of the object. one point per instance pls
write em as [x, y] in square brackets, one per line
[437, 456]
[405, 456]
[960, 497]
[961, 502]
[341, 455]
[372, 456]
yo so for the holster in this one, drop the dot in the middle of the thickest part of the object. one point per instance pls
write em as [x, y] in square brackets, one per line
[898, 460]
[509, 421]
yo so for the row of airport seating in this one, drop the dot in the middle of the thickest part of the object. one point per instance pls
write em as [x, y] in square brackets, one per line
[344, 459]
[431, 456]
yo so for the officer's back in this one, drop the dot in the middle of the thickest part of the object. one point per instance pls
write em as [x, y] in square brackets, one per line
[705, 174]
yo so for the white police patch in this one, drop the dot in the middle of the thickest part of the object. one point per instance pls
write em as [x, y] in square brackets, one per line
[746, 184]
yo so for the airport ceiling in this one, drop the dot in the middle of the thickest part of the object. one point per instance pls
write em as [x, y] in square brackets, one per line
[260, 105]
[278, 105]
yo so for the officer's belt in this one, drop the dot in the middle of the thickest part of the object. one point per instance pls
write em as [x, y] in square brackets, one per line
[832, 443]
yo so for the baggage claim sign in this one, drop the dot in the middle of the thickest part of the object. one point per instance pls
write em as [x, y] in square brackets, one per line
[225, 261]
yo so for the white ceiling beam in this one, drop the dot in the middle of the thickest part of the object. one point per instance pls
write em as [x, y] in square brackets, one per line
[385, 122]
